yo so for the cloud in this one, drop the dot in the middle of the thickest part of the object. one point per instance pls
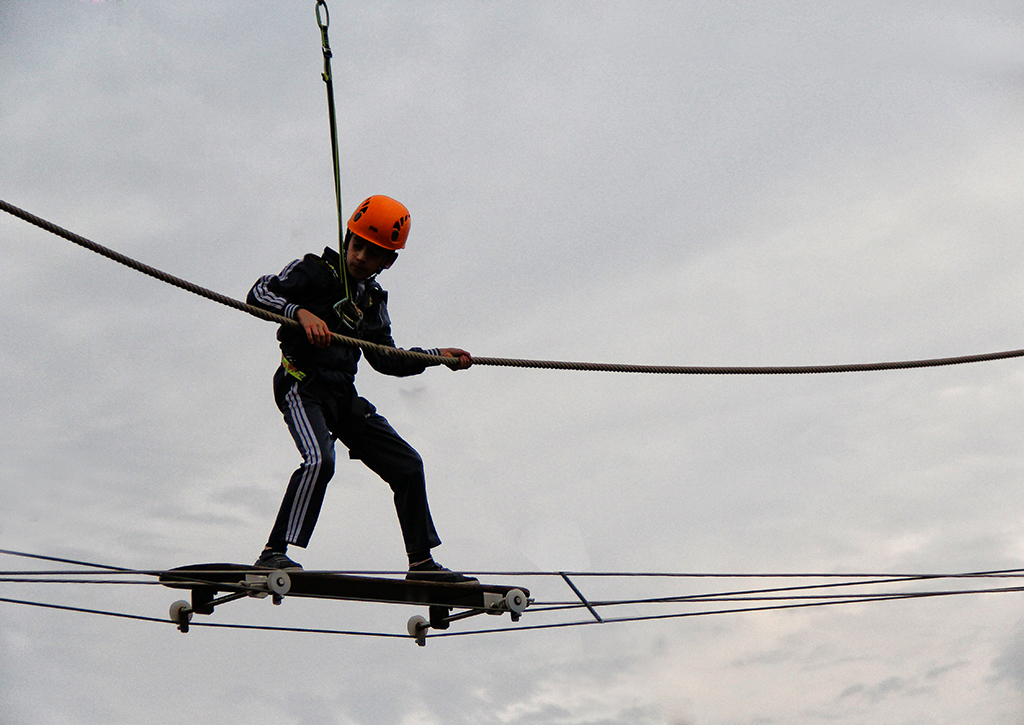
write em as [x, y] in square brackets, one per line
[669, 183]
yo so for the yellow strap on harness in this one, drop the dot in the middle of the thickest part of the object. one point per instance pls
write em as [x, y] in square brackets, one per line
[291, 369]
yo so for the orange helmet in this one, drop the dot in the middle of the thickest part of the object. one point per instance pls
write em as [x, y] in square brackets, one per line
[382, 221]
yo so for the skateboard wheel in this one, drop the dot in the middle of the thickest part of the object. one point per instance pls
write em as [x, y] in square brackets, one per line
[181, 614]
[279, 582]
[418, 627]
[516, 601]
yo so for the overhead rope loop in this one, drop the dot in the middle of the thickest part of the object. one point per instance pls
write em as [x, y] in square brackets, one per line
[497, 361]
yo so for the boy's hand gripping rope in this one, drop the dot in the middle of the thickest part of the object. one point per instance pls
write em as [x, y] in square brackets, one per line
[497, 361]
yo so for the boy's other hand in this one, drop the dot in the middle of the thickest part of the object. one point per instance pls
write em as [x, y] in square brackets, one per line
[465, 359]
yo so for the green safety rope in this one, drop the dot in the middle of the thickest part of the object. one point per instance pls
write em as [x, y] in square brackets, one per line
[350, 314]
[323, 23]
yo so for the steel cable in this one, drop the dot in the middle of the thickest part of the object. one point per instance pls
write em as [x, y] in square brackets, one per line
[769, 599]
[522, 628]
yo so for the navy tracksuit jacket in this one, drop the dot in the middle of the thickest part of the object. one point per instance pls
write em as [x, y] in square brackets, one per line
[324, 405]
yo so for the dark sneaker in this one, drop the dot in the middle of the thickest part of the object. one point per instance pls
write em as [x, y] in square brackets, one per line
[276, 560]
[431, 571]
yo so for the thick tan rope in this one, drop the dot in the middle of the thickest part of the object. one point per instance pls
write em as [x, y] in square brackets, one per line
[497, 361]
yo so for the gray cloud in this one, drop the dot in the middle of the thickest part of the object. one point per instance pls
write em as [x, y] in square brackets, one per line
[677, 183]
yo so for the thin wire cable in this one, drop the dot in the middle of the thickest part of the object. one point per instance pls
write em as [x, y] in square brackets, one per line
[773, 598]
[23, 580]
[746, 594]
[861, 579]
[58, 560]
[84, 610]
[505, 362]
[523, 628]
[765, 594]
[705, 613]
[219, 625]
[787, 601]
[881, 577]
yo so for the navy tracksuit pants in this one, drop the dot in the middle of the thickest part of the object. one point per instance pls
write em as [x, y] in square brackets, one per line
[316, 418]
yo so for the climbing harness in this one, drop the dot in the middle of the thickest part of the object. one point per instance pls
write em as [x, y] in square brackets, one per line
[289, 367]
[497, 361]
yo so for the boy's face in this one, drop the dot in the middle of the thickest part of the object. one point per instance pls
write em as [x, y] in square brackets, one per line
[364, 259]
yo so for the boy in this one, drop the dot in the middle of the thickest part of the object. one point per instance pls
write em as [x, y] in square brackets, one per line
[315, 385]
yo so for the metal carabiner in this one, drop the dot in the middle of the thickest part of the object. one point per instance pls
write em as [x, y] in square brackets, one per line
[351, 316]
[323, 23]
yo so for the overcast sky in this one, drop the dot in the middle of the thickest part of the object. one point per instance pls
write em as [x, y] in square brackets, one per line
[679, 183]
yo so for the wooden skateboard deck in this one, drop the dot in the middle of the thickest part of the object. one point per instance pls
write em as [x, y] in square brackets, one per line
[235, 581]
